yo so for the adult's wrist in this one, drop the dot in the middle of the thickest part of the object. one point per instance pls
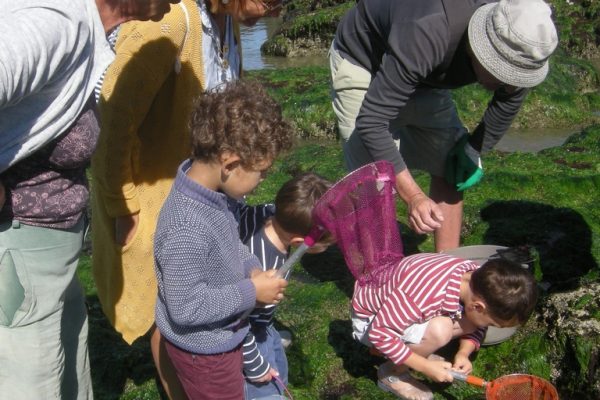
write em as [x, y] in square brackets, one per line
[407, 188]
[416, 197]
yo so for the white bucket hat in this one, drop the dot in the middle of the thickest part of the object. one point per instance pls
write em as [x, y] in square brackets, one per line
[512, 39]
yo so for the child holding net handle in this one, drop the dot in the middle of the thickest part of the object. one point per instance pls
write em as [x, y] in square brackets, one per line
[409, 307]
[269, 231]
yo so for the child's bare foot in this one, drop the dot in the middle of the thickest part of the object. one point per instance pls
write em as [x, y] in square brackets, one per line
[397, 380]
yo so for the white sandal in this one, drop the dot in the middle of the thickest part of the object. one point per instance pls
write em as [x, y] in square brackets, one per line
[416, 391]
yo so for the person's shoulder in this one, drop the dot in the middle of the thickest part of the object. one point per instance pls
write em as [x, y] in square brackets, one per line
[253, 219]
[77, 9]
[173, 26]
[416, 10]
[257, 212]
[182, 214]
[424, 23]
[425, 258]
[435, 262]
[69, 19]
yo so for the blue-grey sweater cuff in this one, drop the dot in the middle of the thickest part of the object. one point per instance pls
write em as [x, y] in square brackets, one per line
[248, 292]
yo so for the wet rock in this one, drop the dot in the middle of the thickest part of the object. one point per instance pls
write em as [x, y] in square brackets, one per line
[573, 328]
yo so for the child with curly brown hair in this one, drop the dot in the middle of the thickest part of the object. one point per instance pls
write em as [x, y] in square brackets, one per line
[208, 280]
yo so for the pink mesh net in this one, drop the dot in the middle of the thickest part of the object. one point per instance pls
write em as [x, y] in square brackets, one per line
[360, 213]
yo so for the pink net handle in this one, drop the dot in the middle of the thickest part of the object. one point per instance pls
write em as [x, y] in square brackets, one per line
[360, 213]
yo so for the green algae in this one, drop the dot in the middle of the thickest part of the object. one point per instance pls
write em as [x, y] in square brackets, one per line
[543, 200]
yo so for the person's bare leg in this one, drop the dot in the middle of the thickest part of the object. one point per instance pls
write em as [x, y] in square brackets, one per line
[451, 202]
[440, 331]
[166, 370]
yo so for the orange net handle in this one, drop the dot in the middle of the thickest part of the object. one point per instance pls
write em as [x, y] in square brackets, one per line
[475, 380]
[470, 379]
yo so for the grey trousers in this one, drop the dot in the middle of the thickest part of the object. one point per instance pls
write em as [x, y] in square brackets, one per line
[425, 130]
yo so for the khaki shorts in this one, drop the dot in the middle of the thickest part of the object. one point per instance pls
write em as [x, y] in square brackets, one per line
[426, 128]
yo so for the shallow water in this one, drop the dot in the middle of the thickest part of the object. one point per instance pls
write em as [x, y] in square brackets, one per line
[253, 37]
[533, 140]
[524, 140]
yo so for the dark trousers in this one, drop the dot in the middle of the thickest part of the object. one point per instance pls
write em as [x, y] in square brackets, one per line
[209, 376]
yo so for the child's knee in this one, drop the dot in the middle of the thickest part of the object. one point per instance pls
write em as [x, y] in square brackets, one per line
[439, 330]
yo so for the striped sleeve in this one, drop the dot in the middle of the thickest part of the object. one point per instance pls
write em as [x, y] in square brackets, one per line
[476, 337]
[255, 365]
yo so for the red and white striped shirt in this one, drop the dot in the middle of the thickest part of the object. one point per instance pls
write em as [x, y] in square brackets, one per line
[421, 287]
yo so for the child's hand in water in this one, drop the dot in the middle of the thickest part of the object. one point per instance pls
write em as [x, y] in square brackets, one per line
[268, 377]
[269, 287]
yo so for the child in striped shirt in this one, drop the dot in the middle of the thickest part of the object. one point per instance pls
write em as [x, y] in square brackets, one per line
[430, 299]
[269, 230]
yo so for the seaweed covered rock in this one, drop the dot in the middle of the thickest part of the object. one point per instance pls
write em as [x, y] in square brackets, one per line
[573, 321]
[579, 26]
[309, 26]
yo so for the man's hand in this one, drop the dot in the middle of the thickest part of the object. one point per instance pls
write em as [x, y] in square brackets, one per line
[424, 215]
[463, 165]
[436, 369]
[125, 228]
[466, 347]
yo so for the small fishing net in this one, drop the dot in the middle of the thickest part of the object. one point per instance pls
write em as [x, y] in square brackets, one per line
[360, 212]
[520, 387]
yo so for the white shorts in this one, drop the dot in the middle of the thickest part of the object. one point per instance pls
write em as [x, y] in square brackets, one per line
[361, 327]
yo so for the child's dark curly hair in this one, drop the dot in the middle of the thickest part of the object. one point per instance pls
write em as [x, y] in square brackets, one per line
[240, 118]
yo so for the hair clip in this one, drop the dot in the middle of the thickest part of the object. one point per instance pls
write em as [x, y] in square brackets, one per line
[225, 2]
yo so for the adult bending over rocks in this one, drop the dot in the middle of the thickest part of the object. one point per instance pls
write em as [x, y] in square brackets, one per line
[392, 65]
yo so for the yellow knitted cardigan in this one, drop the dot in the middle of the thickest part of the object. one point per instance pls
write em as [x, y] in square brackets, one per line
[144, 112]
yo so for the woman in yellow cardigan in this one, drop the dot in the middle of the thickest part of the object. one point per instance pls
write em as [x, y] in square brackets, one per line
[146, 101]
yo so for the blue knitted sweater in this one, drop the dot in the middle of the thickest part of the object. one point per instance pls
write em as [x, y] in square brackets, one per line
[202, 268]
